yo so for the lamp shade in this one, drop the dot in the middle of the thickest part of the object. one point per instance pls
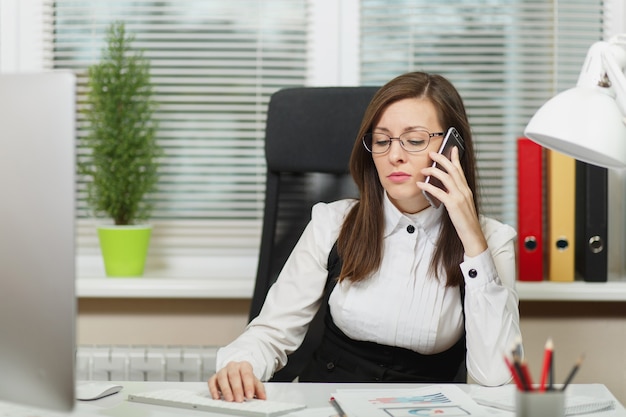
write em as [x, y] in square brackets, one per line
[582, 122]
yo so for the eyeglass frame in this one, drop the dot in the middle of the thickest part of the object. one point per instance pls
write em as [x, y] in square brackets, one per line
[391, 139]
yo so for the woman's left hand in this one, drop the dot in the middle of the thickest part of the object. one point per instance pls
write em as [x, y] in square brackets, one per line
[458, 199]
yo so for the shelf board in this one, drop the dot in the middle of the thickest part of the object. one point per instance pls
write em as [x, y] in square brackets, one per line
[146, 287]
[173, 277]
[572, 291]
[159, 287]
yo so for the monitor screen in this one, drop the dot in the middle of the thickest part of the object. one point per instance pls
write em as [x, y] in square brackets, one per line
[37, 258]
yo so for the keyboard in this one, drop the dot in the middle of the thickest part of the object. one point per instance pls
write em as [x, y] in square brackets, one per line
[201, 401]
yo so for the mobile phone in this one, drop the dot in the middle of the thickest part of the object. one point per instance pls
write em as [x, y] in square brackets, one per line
[452, 138]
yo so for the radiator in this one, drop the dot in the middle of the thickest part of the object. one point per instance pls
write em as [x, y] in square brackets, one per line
[145, 363]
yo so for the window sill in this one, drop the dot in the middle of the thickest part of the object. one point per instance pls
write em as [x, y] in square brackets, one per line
[233, 277]
[241, 287]
[146, 287]
[191, 277]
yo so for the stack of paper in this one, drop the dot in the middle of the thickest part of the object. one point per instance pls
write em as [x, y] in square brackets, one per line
[439, 400]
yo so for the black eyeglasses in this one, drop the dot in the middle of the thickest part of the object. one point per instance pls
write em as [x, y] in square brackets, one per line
[411, 141]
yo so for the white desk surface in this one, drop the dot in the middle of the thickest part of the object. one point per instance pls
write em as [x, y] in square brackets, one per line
[313, 395]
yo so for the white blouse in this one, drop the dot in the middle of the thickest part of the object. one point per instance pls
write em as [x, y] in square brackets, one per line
[401, 304]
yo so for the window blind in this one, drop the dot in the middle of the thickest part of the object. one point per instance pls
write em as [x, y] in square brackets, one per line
[214, 65]
[506, 58]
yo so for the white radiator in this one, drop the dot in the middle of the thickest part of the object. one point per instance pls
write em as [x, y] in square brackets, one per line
[145, 363]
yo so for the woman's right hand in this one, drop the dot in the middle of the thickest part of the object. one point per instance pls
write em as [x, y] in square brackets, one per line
[236, 382]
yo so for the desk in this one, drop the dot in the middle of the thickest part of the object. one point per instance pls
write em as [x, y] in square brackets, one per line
[313, 395]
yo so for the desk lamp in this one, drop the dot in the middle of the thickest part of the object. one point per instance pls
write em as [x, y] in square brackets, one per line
[587, 122]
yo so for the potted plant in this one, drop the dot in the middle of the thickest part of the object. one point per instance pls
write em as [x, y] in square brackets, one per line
[122, 159]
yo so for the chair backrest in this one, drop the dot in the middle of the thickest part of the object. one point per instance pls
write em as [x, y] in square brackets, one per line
[309, 136]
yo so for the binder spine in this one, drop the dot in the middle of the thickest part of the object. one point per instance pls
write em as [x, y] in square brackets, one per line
[530, 210]
[591, 222]
[561, 177]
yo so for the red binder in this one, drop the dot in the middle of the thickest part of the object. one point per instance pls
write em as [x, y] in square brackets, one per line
[530, 210]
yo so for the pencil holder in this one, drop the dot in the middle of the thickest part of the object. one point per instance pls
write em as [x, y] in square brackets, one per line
[535, 404]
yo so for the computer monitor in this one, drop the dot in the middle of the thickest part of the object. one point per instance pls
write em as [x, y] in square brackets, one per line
[37, 257]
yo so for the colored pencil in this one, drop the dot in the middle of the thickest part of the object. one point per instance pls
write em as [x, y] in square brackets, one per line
[573, 372]
[337, 407]
[547, 359]
[526, 375]
[517, 364]
[516, 376]
[551, 373]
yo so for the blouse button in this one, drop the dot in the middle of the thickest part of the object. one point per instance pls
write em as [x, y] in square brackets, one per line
[410, 228]
[330, 366]
[473, 273]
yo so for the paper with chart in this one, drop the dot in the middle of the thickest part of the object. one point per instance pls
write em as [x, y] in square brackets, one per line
[433, 400]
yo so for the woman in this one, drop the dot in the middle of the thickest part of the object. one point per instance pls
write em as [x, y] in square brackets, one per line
[419, 290]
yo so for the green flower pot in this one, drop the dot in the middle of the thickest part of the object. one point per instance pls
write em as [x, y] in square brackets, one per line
[124, 249]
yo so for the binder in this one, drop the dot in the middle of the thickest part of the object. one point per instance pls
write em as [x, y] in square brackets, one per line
[561, 211]
[530, 210]
[591, 222]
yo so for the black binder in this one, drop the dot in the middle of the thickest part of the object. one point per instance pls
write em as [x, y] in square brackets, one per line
[591, 222]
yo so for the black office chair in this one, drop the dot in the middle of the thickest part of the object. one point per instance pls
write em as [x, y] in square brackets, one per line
[308, 140]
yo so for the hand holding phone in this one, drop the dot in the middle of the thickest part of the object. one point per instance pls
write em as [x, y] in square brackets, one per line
[452, 138]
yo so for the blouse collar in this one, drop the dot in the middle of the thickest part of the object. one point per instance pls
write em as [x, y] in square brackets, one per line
[427, 220]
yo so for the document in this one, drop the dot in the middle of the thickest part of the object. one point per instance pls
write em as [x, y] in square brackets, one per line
[432, 400]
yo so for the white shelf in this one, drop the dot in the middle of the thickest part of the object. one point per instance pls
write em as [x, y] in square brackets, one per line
[572, 291]
[150, 287]
[179, 277]
[233, 278]
[162, 288]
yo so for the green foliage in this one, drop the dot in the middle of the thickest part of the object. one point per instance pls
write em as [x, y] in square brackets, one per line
[122, 166]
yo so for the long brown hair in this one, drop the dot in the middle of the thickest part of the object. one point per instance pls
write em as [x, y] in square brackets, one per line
[360, 242]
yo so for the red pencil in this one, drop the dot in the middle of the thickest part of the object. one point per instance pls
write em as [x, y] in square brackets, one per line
[547, 364]
[516, 376]
[526, 376]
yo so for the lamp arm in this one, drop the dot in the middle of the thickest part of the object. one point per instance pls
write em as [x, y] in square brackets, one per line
[614, 61]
